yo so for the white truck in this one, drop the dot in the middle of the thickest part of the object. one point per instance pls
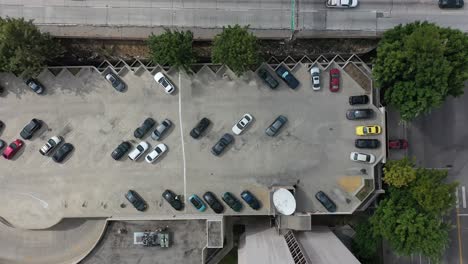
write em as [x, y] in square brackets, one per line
[341, 3]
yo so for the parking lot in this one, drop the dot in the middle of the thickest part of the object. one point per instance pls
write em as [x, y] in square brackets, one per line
[311, 152]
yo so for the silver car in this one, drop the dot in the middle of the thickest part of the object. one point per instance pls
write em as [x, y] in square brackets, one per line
[50, 145]
[161, 129]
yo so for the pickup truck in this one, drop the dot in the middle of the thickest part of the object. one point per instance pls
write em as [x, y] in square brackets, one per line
[341, 3]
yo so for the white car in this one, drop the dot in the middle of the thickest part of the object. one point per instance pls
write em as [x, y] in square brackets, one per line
[138, 151]
[242, 124]
[52, 143]
[315, 74]
[341, 3]
[158, 151]
[362, 157]
[164, 82]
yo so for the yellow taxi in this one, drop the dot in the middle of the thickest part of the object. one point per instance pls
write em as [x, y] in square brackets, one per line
[368, 130]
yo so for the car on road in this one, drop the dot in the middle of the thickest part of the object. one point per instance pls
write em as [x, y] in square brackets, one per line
[62, 152]
[368, 130]
[35, 85]
[12, 149]
[250, 199]
[315, 74]
[354, 114]
[157, 152]
[115, 81]
[334, 80]
[232, 201]
[367, 143]
[222, 144]
[358, 99]
[121, 150]
[268, 78]
[240, 126]
[200, 128]
[141, 131]
[326, 201]
[398, 144]
[273, 129]
[165, 83]
[161, 129]
[135, 199]
[32, 127]
[362, 157]
[451, 3]
[197, 202]
[50, 145]
[341, 3]
[173, 199]
[213, 202]
[138, 151]
[287, 77]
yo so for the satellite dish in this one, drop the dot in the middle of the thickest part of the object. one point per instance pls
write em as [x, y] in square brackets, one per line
[284, 201]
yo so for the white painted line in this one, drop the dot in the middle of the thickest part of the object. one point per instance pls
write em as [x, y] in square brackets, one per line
[182, 138]
[462, 214]
[457, 203]
[420, 259]
[464, 197]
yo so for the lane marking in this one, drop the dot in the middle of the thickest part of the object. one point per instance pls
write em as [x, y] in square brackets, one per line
[464, 197]
[460, 256]
[457, 203]
[182, 139]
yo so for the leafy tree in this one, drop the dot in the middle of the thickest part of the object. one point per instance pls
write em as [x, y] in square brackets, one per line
[173, 48]
[24, 50]
[399, 173]
[364, 244]
[419, 64]
[237, 48]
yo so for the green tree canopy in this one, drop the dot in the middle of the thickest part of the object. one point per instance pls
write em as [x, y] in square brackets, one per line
[364, 244]
[236, 48]
[173, 48]
[399, 173]
[24, 50]
[419, 64]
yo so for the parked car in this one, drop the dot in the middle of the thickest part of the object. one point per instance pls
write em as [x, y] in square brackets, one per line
[367, 143]
[334, 80]
[141, 131]
[213, 202]
[161, 129]
[157, 152]
[362, 157]
[232, 201]
[273, 129]
[326, 201]
[2, 144]
[222, 143]
[398, 144]
[31, 128]
[50, 145]
[240, 126]
[173, 200]
[341, 3]
[121, 150]
[315, 74]
[268, 78]
[12, 149]
[358, 99]
[197, 203]
[169, 88]
[250, 199]
[135, 199]
[35, 85]
[2, 125]
[287, 77]
[116, 82]
[62, 152]
[138, 151]
[368, 130]
[451, 3]
[354, 114]
[201, 126]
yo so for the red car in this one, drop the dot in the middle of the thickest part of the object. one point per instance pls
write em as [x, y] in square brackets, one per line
[12, 149]
[334, 80]
[398, 144]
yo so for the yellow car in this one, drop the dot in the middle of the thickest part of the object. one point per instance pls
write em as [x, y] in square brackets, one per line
[368, 130]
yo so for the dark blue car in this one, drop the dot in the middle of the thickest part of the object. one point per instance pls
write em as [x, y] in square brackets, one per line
[250, 199]
[287, 77]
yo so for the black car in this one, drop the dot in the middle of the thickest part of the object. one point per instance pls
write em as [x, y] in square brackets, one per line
[232, 201]
[2, 144]
[367, 143]
[268, 78]
[198, 130]
[358, 99]
[62, 152]
[451, 3]
[354, 114]
[31, 128]
[173, 200]
[213, 202]
[287, 77]
[250, 199]
[135, 199]
[121, 150]
[276, 126]
[222, 143]
[161, 129]
[141, 131]
[116, 82]
[35, 85]
[326, 201]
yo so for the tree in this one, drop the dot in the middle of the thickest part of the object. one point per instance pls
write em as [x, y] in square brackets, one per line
[364, 244]
[399, 173]
[173, 48]
[418, 65]
[24, 50]
[236, 48]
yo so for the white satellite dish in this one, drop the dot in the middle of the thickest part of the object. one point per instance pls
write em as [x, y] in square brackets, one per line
[284, 201]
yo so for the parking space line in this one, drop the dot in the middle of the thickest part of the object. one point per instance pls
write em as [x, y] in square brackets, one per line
[463, 197]
[182, 138]
[460, 255]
